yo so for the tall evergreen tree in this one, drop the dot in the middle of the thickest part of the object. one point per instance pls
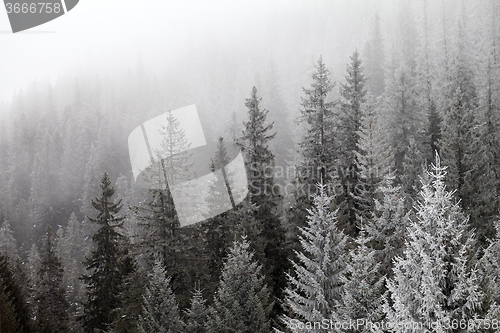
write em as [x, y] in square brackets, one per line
[51, 296]
[387, 225]
[106, 274]
[263, 193]
[14, 298]
[197, 313]
[373, 161]
[435, 281]
[353, 98]
[318, 146]
[241, 303]
[160, 311]
[361, 297]
[255, 144]
[316, 286]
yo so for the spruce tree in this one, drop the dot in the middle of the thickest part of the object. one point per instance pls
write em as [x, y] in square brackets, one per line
[316, 286]
[197, 313]
[241, 303]
[15, 297]
[270, 235]
[361, 297]
[8, 244]
[105, 273]
[435, 281]
[373, 161]
[160, 311]
[258, 158]
[387, 225]
[403, 119]
[161, 234]
[353, 98]
[318, 146]
[51, 295]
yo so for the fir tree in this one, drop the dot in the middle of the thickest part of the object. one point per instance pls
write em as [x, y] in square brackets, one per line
[316, 286]
[160, 311]
[106, 275]
[387, 225]
[14, 296]
[361, 297]
[318, 145]
[259, 159]
[197, 313]
[241, 303]
[51, 295]
[8, 246]
[270, 235]
[373, 161]
[353, 99]
[403, 120]
[435, 281]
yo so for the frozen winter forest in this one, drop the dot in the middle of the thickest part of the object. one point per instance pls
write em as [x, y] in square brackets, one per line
[370, 137]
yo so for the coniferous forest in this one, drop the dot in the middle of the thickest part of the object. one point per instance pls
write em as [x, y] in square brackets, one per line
[373, 170]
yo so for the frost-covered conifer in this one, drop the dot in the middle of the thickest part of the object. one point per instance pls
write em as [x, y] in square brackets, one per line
[241, 303]
[435, 280]
[317, 283]
[160, 311]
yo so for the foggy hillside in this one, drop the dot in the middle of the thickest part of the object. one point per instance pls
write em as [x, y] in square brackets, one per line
[370, 137]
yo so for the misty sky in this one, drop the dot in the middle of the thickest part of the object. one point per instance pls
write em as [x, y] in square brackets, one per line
[102, 35]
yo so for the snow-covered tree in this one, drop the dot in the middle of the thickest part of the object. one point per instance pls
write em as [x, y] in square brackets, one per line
[51, 296]
[197, 313]
[241, 303]
[373, 160]
[435, 281]
[316, 286]
[259, 159]
[160, 311]
[361, 297]
[8, 244]
[318, 144]
[387, 225]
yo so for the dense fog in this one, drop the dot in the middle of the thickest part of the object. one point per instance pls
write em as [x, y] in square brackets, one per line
[352, 165]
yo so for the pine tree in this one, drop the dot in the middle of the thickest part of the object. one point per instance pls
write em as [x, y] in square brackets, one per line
[106, 275]
[8, 246]
[259, 159]
[490, 273]
[318, 146]
[353, 98]
[361, 297]
[241, 303]
[316, 286]
[51, 295]
[14, 295]
[160, 311]
[197, 313]
[373, 161]
[72, 248]
[387, 225]
[403, 120]
[270, 235]
[162, 235]
[435, 281]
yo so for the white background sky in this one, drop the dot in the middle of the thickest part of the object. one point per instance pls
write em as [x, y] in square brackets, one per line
[108, 33]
